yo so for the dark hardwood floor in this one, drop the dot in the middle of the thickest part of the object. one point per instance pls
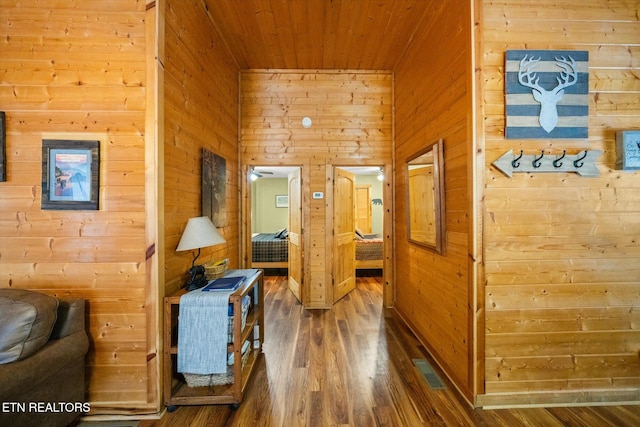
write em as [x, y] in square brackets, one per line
[352, 366]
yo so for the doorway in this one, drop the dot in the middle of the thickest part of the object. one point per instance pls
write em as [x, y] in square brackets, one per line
[379, 199]
[275, 222]
[358, 226]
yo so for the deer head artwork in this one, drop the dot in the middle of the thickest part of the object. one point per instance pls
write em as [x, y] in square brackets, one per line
[548, 99]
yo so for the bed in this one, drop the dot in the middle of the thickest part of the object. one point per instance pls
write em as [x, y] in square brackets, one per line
[368, 251]
[270, 250]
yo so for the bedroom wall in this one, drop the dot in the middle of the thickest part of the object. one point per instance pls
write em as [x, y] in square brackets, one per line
[377, 211]
[562, 251]
[78, 70]
[433, 100]
[265, 216]
[352, 125]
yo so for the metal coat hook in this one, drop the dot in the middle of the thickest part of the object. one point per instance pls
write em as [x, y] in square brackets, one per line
[577, 162]
[557, 163]
[537, 161]
[515, 163]
[583, 163]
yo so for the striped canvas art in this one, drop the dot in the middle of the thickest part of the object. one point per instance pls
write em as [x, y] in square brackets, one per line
[547, 94]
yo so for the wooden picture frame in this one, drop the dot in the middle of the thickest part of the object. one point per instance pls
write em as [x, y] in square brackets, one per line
[547, 94]
[70, 174]
[425, 197]
[3, 147]
[214, 188]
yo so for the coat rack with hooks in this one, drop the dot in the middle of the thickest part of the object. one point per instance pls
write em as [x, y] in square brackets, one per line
[582, 163]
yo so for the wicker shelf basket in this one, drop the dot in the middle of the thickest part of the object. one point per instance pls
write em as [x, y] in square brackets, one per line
[199, 380]
[215, 271]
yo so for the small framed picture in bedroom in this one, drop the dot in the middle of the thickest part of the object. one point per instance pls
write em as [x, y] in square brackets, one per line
[282, 201]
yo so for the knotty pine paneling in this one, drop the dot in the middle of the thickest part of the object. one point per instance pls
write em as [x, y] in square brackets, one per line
[77, 70]
[318, 34]
[433, 101]
[561, 251]
[200, 111]
[352, 126]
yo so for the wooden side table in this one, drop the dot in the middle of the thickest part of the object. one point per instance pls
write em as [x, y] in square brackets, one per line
[176, 390]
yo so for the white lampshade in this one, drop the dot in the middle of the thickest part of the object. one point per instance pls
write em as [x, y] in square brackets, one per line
[199, 233]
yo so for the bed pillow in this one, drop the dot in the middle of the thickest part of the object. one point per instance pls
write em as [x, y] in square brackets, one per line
[359, 234]
[26, 322]
[282, 234]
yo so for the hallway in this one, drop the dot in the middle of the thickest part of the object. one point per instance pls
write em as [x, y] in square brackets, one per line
[353, 366]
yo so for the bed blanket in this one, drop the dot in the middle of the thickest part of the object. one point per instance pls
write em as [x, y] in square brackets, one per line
[265, 247]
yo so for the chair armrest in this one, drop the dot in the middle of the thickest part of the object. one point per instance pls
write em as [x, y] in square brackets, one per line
[70, 318]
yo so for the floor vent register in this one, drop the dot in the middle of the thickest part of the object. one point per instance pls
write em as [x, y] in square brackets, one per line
[429, 374]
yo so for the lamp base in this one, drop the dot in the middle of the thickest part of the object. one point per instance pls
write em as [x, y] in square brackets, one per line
[198, 278]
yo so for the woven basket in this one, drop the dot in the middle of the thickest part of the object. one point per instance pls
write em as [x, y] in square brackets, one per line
[215, 271]
[210, 380]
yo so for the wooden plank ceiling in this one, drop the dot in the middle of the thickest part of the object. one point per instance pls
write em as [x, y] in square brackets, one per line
[317, 34]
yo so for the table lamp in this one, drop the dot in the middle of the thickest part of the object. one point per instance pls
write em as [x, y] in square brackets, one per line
[199, 233]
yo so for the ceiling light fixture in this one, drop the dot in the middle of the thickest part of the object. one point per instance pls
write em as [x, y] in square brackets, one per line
[306, 122]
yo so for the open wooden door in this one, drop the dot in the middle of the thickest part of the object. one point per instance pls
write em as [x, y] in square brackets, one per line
[344, 226]
[295, 233]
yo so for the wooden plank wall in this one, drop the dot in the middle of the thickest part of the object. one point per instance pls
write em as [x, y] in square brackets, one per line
[352, 126]
[77, 70]
[200, 111]
[562, 252]
[433, 101]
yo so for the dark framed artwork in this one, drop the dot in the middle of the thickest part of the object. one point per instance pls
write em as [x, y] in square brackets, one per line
[214, 194]
[3, 148]
[70, 174]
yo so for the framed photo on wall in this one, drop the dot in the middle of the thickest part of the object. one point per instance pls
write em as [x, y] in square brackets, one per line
[70, 174]
[282, 201]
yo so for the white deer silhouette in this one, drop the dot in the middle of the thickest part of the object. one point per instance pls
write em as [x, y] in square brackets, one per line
[548, 99]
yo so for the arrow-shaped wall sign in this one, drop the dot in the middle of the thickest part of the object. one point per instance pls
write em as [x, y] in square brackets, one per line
[583, 163]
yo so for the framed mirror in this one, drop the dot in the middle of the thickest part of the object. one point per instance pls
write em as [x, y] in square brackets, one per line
[425, 197]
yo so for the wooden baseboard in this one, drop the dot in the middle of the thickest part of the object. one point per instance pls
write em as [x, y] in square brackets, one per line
[433, 355]
[564, 399]
[105, 419]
